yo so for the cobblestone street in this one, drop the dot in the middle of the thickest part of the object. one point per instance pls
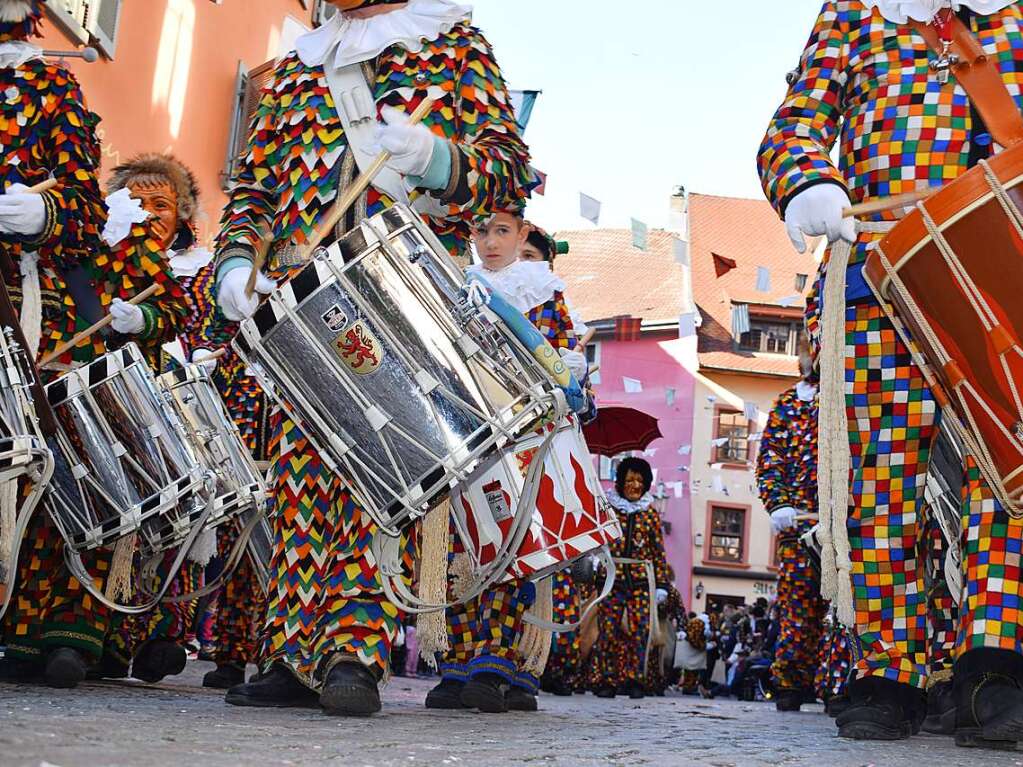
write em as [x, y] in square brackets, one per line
[180, 723]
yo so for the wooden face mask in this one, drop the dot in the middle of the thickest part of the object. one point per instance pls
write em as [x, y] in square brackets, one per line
[159, 199]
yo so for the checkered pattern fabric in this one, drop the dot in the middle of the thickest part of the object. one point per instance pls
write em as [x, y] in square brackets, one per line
[787, 459]
[552, 319]
[563, 662]
[942, 610]
[801, 614]
[832, 677]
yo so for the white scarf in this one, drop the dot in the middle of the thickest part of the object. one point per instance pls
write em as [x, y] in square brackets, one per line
[901, 11]
[14, 53]
[524, 284]
[629, 507]
[187, 263]
[356, 40]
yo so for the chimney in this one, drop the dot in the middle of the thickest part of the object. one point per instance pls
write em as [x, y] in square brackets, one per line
[677, 212]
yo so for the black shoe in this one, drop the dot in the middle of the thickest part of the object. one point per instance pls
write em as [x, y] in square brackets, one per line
[636, 691]
[941, 710]
[21, 671]
[517, 699]
[485, 692]
[350, 690]
[109, 667]
[836, 704]
[446, 695]
[605, 692]
[224, 677]
[988, 699]
[880, 710]
[65, 668]
[789, 700]
[157, 659]
[562, 689]
[277, 688]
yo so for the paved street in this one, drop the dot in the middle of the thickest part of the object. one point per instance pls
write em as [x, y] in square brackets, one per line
[179, 723]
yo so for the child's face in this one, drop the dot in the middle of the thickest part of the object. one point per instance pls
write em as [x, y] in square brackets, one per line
[161, 202]
[498, 240]
[528, 253]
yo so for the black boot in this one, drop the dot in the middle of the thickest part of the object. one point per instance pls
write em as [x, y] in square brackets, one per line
[605, 692]
[836, 704]
[109, 667]
[157, 659]
[941, 710]
[880, 710]
[485, 692]
[446, 695]
[636, 691]
[518, 699]
[21, 671]
[350, 690]
[788, 700]
[65, 668]
[561, 688]
[277, 688]
[988, 699]
[224, 676]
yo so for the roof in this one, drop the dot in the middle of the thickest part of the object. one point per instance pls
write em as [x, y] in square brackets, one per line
[750, 233]
[606, 277]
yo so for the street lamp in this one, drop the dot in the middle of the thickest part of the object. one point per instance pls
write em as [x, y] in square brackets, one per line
[699, 590]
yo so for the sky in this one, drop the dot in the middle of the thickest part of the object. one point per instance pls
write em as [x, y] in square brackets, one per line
[640, 97]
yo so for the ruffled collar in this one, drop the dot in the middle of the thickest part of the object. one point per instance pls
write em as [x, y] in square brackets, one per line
[524, 284]
[629, 507]
[355, 40]
[187, 263]
[14, 53]
[806, 391]
[901, 11]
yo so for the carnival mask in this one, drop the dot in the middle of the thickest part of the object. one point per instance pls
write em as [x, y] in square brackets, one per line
[161, 202]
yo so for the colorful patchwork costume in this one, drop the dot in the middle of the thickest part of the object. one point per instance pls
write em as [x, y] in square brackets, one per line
[787, 478]
[326, 605]
[864, 82]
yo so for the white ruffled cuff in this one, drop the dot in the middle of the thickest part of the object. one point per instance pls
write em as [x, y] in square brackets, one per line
[123, 212]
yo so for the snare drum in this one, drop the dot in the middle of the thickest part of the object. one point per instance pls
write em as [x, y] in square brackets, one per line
[952, 270]
[571, 517]
[216, 442]
[125, 463]
[399, 391]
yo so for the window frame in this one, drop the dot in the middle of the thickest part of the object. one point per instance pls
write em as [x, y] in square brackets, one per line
[81, 22]
[708, 558]
[791, 339]
[596, 347]
[716, 450]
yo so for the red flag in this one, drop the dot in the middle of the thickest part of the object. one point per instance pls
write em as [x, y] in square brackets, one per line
[541, 177]
[627, 328]
[722, 265]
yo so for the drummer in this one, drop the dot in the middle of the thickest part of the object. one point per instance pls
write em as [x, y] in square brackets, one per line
[328, 627]
[865, 82]
[483, 669]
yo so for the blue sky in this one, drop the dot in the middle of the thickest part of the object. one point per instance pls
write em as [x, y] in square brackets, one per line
[641, 96]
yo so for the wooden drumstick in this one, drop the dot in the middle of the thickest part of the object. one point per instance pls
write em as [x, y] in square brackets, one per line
[257, 266]
[42, 186]
[888, 203]
[96, 326]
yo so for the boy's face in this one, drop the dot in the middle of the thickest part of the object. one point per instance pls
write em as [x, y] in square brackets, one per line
[498, 240]
[528, 253]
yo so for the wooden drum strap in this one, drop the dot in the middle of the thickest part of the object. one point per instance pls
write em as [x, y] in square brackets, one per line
[980, 77]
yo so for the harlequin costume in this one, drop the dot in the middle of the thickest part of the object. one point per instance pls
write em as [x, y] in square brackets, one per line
[626, 617]
[53, 626]
[564, 663]
[864, 82]
[483, 668]
[696, 636]
[787, 480]
[328, 627]
[670, 613]
[834, 661]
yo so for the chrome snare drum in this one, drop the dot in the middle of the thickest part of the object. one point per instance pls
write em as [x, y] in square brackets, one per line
[125, 464]
[399, 392]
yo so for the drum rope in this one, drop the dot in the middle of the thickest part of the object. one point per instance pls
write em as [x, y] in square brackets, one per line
[535, 644]
[431, 627]
[31, 315]
[8, 525]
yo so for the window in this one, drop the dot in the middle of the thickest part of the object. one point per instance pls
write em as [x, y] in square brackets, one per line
[774, 337]
[593, 358]
[732, 426]
[89, 21]
[248, 85]
[801, 282]
[727, 534]
[323, 12]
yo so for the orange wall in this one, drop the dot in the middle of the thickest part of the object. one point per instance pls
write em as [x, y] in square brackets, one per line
[170, 87]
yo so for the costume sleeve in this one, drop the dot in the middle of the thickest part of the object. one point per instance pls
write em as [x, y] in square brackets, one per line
[253, 197]
[795, 151]
[656, 553]
[772, 476]
[207, 327]
[489, 160]
[74, 208]
[554, 321]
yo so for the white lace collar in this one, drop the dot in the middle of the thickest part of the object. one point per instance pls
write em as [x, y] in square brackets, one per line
[806, 391]
[524, 284]
[358, 40]
[187, 263]
[900, 11]
[629, 507]
[14, 53]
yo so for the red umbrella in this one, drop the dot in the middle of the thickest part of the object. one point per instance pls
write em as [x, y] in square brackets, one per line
[620, 429]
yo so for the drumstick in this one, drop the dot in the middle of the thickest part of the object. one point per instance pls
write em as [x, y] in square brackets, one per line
[887, 203]
[217, 354]
[257, 266]
[806, 518]
[99, 325]
[42, 186]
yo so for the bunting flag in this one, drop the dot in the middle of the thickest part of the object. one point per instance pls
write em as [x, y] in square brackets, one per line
[639, 234]
[687, 325]
[722, 265]
[522, 103]
[680, 248]
[740, 319]
[669, 396]
[589, 208]
[801, 282]
[791, 301]
[632, 385]
[751, 411]
[628, 328]
[763, 279]
[541, 182]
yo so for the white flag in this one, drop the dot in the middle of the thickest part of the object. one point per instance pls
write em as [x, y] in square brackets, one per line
[589, 208]
[685, 449]
[763, 279]
[632, 385]
[639, 234]
[717, 484]
[720, 442]
[678, 488]
[681, 251]
[669, 396]
[751, 411]
[686, 325]
[740, 319]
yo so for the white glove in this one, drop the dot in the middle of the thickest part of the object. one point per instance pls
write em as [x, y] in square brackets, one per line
[411, 146]
[662, 596]
[201, 357]
[783, 518]
[576, 362]
[22, 212]
[128, 318]
[231, 295]
[816, 211]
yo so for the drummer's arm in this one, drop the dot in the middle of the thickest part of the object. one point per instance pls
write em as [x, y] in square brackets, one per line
[795, 150]
[487, 162]
[662, 570]
[772, 483]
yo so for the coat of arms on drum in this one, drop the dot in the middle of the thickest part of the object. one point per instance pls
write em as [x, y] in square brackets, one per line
[359, 348]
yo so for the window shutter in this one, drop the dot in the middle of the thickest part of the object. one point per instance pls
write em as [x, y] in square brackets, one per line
[323, 12]
[70, 16]
[104, 18]
[248, 86]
